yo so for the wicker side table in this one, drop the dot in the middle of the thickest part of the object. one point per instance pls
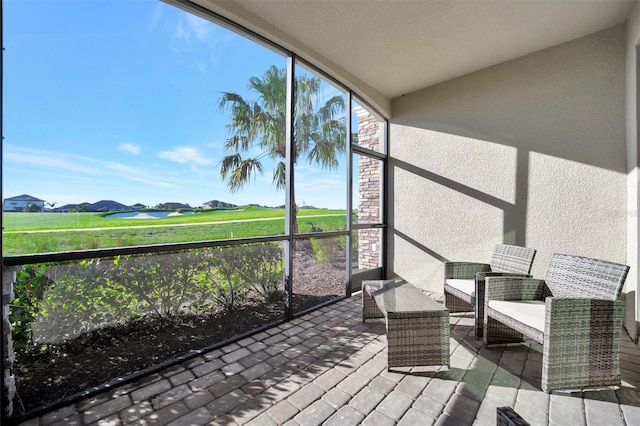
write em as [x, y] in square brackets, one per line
[417, 326]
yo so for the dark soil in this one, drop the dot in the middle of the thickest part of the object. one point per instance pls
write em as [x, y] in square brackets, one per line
[45, 379]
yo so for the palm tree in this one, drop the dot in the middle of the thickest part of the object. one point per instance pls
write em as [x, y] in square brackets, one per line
[319, 133]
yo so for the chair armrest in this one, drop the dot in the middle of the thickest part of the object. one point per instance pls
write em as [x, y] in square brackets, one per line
[481, 284]
[582, 315]
[464, 270]
[581, 343]
[483, 275]
[513, 288]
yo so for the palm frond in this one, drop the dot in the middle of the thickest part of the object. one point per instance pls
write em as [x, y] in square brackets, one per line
[229, 163]
[332, 108]
[230, 98]
[243, 173]
[280, 175]
[237, 143]
[323, 153]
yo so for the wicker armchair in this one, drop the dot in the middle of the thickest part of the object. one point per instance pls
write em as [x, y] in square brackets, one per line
[464, 281]
[575, 314]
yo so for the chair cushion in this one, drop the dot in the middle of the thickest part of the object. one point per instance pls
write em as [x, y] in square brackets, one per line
[465, 286]
[528, 312]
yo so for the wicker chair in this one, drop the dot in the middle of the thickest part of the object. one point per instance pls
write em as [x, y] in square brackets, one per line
[575, 314]
[464, 281]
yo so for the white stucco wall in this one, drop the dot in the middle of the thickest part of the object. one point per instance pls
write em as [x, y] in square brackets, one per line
[531, 152]
[633, 187]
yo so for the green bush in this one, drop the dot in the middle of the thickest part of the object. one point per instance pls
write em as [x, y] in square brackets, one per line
[163, 284]
[329, 250]
[56, 302]
[82, 297]
[220, 277]
[262, 268]
[30, 285]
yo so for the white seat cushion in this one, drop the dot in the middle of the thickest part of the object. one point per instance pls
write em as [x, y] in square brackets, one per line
[528, 312]
[465, 286]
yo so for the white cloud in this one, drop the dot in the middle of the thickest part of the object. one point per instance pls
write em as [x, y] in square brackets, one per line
[199, 27]
[154, 182]
[156, 15]
[185, 154]
[191, 27]
[328, 183]
[198, 43]
[48, 159]
[180, 32]
[122, 168]
[130, 148]
[78, 167]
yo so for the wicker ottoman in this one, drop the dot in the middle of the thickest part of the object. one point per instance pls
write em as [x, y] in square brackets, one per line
[417, 326]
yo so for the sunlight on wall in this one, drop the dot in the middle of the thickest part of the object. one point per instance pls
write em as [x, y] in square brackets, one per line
[575, 208]
[478, 165]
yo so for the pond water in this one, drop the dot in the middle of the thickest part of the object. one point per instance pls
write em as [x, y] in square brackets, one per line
[146, 215]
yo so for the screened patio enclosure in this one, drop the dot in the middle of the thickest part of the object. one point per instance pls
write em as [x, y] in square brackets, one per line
[81, 292]
[462, 126]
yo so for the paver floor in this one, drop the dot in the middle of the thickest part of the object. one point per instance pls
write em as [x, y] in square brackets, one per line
[328, 367]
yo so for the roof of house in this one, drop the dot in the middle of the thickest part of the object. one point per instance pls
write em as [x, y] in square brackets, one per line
[23, 197]
[70, 206]
[106, 206]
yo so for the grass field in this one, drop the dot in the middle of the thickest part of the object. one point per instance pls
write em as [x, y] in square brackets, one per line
[31, 233]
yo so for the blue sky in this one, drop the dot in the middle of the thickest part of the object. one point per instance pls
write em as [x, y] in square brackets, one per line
[118, 100]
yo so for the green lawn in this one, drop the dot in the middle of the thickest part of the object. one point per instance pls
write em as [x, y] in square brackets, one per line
[55, 232]
[40, 221]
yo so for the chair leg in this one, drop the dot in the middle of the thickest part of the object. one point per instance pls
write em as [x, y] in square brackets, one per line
[479, 308]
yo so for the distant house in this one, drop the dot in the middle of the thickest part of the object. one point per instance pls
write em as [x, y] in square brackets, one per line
[67, 208]
[72, 208]
[106, 206]
[174, 206]
[17, 204]
[138, 206]
[215, 204]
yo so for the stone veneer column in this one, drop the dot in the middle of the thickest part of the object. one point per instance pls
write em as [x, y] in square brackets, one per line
[369, 187]
[9, 381]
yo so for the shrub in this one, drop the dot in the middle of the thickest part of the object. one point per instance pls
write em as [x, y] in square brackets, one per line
[59, 301]
[81, 297]
[163, 284]
[220, 277]
[30, 285]
[329, 250]
[262, 268]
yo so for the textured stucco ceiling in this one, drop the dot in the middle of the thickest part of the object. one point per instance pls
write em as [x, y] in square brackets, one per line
[387, 48]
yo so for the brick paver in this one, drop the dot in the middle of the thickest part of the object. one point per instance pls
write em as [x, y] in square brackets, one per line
[166, 414]
[58, 415]
[367, 399]
[282, 411]
[315, 414]
[328, 367]
[194, 418]
[107, 408]
[345, 416]
[207, 367]
[172, 395]
[306, 396]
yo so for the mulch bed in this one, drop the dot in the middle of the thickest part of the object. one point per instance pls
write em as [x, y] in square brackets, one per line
[45, 379]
